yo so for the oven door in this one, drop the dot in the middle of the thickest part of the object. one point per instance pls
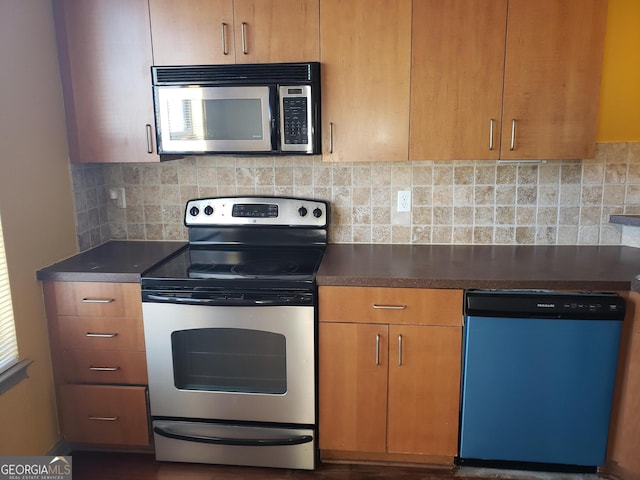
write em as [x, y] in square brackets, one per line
[246, 363]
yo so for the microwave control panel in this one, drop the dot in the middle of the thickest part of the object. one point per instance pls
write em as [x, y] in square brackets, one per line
[295, 118]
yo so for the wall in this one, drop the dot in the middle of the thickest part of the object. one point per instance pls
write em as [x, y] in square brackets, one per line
[454, 202]
[37, 209]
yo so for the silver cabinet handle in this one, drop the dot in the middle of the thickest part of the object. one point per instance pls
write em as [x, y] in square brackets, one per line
[399, 350]
[103, 419]
[224, 39]
[100, 335]
[149, 139]
[104, 369]
[513, 135]
[491, 121]
[377, 349]
[330, 137]
[98, 300]
[389, 307]
[244, 38]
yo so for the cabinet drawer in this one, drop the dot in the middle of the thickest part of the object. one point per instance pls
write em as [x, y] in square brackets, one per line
[411, 306]
[98, 299]
[105, 366]
[101, 333]
[104, 415]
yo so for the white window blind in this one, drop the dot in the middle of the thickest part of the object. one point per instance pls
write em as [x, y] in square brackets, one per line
[8, 343]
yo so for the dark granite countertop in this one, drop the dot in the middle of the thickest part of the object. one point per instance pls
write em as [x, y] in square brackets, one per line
[114, 261]
[588, 268]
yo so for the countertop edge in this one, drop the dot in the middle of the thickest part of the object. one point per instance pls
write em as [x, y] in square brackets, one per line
[386, 282]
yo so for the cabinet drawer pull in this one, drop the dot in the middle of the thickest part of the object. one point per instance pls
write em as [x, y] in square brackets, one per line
[389, 307]
[491, 122]
[98, 300]
[224, 39]
[513, 135]
[399, 350]
[104, 369]
[244, 38]
[103, 419]
[377, 349]
[100, 335]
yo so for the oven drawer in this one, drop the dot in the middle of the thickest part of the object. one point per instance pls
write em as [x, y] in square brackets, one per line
[101, 333]
[105, 415]
[409, 306]
[105, 366]
[98, 299]
[181, 441]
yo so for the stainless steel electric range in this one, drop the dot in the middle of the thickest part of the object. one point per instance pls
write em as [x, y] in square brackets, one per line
[230, 329]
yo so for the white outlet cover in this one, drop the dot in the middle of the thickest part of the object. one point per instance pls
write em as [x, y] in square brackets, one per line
[404, 201]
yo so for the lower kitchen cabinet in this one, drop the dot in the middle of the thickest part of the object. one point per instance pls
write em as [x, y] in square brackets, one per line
[105, 415]
[99, 362]
[623, 460]
[389, 373]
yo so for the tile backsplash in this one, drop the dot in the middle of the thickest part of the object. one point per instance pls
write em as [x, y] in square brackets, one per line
[463, 202]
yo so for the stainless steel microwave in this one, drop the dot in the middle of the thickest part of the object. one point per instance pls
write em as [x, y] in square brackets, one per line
[261, 109]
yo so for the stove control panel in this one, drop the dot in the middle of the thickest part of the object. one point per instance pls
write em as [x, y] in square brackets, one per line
[259, 211]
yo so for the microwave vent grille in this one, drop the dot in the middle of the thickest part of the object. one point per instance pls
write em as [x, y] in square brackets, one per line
[233, 74]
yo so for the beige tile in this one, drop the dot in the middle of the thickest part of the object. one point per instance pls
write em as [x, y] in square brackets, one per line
[463, 195]
[441, 234]
[362, 233]
[547, 216]
[548, 195]
[484, 215]
[422, 215]
[485, 175]
[527, 174]
[422, 195]
[615, 173]
[483, 235]
[525, 235]
[462, 216]
[567, 235]
[462, 235]
[504, 235]
[381, 233]
[591, 195]
[484, 195]
[506, 174]
[400, 234]
[361, 196]
[421, 234]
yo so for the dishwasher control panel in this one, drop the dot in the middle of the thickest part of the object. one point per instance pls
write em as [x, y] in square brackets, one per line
[544, 304]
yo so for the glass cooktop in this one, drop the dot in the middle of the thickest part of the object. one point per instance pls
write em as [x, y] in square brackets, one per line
[240, 264]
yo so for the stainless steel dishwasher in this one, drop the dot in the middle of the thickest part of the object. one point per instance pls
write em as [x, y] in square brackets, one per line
[538, 378]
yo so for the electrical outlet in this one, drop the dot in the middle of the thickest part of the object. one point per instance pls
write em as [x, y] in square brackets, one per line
[118, 196]
[404, 201]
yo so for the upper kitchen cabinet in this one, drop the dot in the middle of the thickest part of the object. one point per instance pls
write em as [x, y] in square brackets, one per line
[457, 67]
[201, 32]
[366, 62]
[105, 58]
[522, 85]
[553, 66]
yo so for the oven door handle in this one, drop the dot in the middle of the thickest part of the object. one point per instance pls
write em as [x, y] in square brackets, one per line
[244, 442]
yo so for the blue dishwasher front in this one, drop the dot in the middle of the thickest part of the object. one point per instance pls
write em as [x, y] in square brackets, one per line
[538, 378]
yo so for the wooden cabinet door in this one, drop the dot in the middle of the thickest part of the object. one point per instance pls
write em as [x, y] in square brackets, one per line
[273, 31]
[457, 67]
[552, 78]
[353, 387]
[366, 61]
[105, 59]
[192, 32]
[424, 389]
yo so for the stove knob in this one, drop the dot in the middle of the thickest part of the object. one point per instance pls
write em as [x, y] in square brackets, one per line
[208, 210]
[302, 212]
[194, 211]
[317, 213]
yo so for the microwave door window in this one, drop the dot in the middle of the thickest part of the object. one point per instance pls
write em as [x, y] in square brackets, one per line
[234, 119]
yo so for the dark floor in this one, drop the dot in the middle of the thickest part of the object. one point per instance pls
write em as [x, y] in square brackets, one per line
[112, 466]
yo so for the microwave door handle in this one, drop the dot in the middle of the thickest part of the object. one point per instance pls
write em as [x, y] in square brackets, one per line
[245, 442]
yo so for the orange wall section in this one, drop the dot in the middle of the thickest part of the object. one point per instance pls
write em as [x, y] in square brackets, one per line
[619, 119]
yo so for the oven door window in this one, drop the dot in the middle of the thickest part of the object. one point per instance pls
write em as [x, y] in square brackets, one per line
[229, 360]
